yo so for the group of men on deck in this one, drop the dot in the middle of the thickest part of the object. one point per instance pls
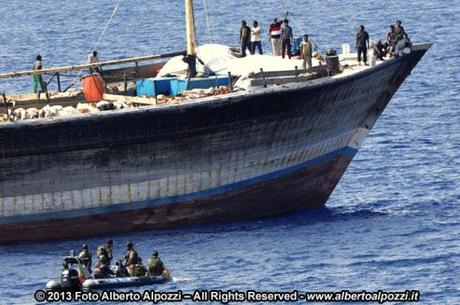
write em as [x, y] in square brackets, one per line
[395, 40]
[131, 264]
[281, 38]
[280, 34]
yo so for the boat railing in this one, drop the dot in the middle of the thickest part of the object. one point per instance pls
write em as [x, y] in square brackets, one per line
[322, 69]
[112, 75]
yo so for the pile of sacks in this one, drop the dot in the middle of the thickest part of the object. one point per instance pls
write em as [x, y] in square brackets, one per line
[57, 111]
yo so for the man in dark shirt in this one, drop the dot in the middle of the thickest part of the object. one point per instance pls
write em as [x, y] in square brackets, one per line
[245, 38]
[362, 44]
[286, 39]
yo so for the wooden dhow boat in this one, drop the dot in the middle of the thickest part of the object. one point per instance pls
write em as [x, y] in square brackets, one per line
[277, 144]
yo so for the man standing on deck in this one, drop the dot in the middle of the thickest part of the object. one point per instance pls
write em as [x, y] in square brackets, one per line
[92, 59]
[306, 52]
[256, 41]
[39, 84]
[362, 44]
[245, 38]
[286, 39]
[275, 36]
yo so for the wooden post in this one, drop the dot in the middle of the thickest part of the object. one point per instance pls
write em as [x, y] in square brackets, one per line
[230, 83]
[6, 105]
[136, 70]
[58, 77]
[263, 77]
[125, 80]
[155, 91]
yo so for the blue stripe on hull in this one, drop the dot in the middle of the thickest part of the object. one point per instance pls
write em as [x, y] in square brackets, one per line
[348, 151]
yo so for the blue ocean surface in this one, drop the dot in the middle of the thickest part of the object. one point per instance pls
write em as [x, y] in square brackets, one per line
[392, 223]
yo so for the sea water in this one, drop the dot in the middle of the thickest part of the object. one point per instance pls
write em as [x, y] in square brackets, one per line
[393, 222]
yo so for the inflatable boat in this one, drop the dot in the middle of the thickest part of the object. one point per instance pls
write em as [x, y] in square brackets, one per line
[75, 276]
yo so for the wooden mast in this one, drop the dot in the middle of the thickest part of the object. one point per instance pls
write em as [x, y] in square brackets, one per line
[190, 26]
[190, 59]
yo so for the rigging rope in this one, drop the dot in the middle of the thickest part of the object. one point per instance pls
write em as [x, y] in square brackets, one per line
[207, 20]
[297, 25]
[96, 44]
[115, 10]
[288, 13]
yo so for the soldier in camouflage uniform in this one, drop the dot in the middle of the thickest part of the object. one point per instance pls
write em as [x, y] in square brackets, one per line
[85, 257]
[155, 266]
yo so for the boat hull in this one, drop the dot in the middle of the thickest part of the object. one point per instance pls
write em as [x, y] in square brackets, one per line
[303, 188]
[246, 156]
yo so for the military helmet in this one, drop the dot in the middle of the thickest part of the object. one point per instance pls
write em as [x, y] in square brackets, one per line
[109, 242]
[104, 259]
[129, 245]
[84, 247]
[155, 253]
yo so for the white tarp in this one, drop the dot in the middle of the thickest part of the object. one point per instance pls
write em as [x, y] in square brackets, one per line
[215, 56]
[220, 60]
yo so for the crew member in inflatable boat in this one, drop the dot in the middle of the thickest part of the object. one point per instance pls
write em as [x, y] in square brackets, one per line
[131, 259]
[155, 266]
[85, 257]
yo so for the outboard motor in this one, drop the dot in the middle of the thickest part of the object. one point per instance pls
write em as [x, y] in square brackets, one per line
[70, 280]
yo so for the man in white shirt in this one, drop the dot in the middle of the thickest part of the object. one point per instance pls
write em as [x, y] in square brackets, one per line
[92, 59]
[256, 40]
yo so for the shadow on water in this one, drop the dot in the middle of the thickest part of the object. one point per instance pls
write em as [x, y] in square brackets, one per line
[301, 218]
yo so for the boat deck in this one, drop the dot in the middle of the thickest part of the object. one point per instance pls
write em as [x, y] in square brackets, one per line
[264, 79]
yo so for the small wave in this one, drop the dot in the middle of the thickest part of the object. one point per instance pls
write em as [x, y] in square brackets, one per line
[181, 278]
